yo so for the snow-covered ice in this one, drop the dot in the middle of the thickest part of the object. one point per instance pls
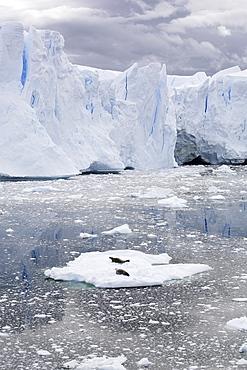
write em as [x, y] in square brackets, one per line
[144, 269]
[239, 323]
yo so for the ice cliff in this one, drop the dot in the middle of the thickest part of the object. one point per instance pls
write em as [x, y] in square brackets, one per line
[211, 117]
[58, 119]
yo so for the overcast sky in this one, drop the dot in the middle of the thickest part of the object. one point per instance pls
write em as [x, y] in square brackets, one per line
[187, 35]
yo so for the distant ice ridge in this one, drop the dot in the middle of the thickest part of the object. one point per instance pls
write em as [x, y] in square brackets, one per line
[58, 118]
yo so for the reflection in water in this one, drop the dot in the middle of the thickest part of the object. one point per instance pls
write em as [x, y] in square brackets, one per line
[27, 289]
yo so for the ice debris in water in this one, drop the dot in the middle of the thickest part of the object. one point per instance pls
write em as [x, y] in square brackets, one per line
[173, 202]
[144, 269]
[144, 362]
[243, 348]
[156, 192]
[87, 236]
[100, 363]
[123, 229]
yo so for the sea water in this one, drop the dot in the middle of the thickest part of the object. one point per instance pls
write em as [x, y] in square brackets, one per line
[180, 325]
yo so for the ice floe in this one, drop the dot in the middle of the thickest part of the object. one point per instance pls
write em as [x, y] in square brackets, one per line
[238, 323]
[123, 229]
[144, 269]
[173, 202]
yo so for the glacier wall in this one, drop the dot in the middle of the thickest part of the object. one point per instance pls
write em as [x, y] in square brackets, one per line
[58, 118]
[211, 116]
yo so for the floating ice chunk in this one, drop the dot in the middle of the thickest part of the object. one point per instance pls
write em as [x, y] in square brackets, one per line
[212, 189]
[224, 169]
[156, 193]
[241, 362]
[243, 348]
[9, 230]
[123, 229]
[238, 324]
[144, 269]
[217, 197]
[173, 202]
[101, 363]
[144, 362]
[43, 352]
[87, 236]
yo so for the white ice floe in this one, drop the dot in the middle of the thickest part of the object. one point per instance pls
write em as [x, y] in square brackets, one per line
[100, 363]
[242, 361]
[87, 236]
[144, 362]
[243, 348]
[217, 197]
[173, 202]
[43, 352]
[123, 229]
[238, 323]
[156, 192]
[144, 269]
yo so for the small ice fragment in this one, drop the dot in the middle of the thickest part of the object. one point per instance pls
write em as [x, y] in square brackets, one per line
[173, 202]
[43, 352]
[212, 189]
[217, 197]
[9, 230]
[241, 362]
[144, 362]
[87, 236]
[243, 348]
[123, 229]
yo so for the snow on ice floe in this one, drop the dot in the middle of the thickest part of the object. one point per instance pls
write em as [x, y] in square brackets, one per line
[123, 229]
[238, 323]
[96, 268]
[104, 363]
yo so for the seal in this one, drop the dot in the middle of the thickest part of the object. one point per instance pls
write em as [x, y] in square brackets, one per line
[118, 260]
[122, 272]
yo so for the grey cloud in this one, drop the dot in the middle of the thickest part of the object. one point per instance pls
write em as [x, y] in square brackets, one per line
[113, 34]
